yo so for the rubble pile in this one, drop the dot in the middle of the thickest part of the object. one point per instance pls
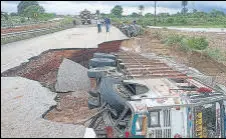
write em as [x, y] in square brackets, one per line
[130, 30]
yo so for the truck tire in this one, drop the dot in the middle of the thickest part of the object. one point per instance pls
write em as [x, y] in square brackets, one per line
[101, 62]
[99, 71]
[104, 55]
[109, 95]
[93, 103]
[93, 93]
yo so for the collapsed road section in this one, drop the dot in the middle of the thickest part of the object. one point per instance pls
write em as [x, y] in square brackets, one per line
[147, 97]
[29, 102]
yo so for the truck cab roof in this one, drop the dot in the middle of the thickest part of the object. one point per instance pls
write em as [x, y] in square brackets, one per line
[163, 92]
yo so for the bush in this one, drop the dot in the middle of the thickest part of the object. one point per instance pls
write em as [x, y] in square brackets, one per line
[22, 20]
[13, 14]
[198, 43]
[169, 20]
[184, 45]
[173, 39]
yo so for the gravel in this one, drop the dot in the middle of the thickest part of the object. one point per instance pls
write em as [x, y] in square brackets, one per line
[23, 102]
[72, 77]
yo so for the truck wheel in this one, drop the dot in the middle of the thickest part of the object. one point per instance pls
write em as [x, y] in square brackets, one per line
[104, 55]
[93, 103]
[93, 93]
[101, 62]
[98, 72]
[110, 95]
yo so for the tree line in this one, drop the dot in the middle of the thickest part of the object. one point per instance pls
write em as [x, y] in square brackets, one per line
[118, 10]
[30, 10]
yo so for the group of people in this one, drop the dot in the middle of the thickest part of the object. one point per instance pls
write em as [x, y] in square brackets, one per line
[107, 23]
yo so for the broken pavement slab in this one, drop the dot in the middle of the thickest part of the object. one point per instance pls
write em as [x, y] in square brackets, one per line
[23, 102]
[72, 77]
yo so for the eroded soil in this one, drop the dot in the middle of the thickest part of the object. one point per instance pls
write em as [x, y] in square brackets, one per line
[72, 108]
[147, 43]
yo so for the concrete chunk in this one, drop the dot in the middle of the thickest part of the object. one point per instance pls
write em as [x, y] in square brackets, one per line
[72, 77]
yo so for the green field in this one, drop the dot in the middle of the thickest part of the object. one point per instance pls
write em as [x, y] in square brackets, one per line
[198, 20]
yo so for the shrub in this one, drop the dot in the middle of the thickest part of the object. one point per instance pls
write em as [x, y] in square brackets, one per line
[173, 39]
[198, 43]
[169, 20]
[184, 45]
[22, 20]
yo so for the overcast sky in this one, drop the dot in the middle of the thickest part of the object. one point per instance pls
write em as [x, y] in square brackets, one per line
[74, 7]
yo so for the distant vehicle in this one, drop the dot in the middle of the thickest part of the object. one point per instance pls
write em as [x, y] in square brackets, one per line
[85, 17]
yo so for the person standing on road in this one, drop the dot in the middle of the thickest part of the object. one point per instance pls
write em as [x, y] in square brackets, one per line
[99, 25]
[107, 24]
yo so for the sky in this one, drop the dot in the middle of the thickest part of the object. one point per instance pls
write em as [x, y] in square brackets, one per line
[74, 7]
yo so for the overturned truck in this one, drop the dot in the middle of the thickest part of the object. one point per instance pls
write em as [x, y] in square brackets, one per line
[143, 97]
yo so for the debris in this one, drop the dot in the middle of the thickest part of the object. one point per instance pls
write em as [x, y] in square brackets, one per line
[72, 108]
[72, 77]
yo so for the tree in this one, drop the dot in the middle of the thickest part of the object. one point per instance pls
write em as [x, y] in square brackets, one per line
[141, 8]
[117, 11]
[5, 15]
[163, 14]
[24, 4]
[195, 10]
[135, 14]
[33, 11]
[148, 15]
[215, 13]
[184, 9]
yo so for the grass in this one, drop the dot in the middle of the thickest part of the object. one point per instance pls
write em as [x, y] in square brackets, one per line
[185, 43]
[177, 21]
[198, 26]
[216, 54]
[189, 44]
